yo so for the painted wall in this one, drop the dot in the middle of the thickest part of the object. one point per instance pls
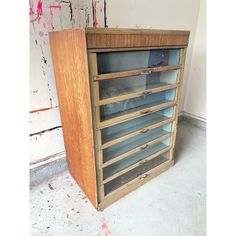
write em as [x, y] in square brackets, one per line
[45, 16]
[195, 98]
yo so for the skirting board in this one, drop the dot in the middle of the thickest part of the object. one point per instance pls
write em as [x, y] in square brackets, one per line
[56, 164]
[192, 119]
[47, 170]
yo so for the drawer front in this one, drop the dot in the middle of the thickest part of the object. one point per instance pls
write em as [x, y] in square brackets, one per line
[135, 144]
[119, 89]
[138, 173]
[128, 129]
[142, 155]
[118, 111]
[111, 62]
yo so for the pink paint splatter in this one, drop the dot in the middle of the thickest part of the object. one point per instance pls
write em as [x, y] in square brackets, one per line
[95, 21]
[40, 7]
[33, 20]
[104, 226]
[41, 33]
[31, 8]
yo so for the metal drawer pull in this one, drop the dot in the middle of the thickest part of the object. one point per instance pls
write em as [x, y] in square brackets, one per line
[146, 72]
[146, 92]
[144, 131]
[144, 112]
[142, 162]
[143, 176]
[143, 147]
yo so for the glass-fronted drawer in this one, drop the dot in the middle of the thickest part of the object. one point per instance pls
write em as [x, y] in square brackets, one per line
[124, 130]
[129, 106]
[135, 144]
[138, 172]
[136, 85]
[109, 62]
[141, 155]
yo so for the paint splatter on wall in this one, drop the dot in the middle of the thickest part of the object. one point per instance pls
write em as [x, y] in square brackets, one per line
[45, 16]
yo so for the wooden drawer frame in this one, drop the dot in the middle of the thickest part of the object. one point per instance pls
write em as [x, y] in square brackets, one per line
[94, 83]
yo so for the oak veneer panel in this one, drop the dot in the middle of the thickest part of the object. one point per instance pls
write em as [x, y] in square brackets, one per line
[69, 55]
[126, 38]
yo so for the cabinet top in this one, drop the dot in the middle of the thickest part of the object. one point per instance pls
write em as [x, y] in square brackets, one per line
[118, 38]
[91, 30]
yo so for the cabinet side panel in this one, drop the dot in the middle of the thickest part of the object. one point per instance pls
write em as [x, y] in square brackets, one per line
[69, 55]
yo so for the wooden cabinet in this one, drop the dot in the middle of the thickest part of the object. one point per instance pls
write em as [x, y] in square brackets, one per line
[118, 92]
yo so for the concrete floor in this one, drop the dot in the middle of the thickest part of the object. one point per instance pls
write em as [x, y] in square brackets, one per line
[169, 205]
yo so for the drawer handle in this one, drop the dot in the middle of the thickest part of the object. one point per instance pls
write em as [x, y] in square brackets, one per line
[144, 131]
[146, 72]
[145, 112]
[142, 162]
[143, 147]
[146, 93]
[143, 176]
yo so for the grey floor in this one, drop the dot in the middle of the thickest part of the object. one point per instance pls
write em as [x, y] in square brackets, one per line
[169, 205]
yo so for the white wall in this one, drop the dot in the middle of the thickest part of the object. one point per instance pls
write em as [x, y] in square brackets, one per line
[50, 15]
[157, 14]
[195, 97]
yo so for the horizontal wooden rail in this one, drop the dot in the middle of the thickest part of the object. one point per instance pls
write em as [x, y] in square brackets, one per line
[135, 114]
[137, 132]
[134, 95]
[98, 50]
[136, 72]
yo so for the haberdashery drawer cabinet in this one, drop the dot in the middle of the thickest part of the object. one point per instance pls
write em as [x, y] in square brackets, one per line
[118, 92]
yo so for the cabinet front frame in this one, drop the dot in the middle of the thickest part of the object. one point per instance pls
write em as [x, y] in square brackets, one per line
[98, 125]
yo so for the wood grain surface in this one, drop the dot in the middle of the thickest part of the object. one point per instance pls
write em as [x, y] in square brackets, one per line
[69, 54]
[126, 38]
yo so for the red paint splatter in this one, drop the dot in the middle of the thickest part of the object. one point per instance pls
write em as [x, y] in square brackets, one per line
[43, 109]
[55, 6]
[95, 21]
